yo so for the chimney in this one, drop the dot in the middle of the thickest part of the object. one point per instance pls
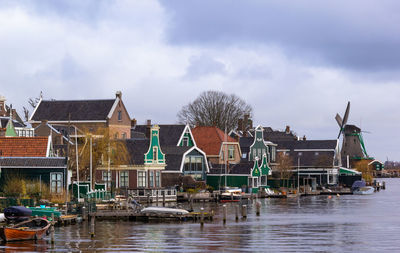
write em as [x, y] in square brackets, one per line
[240, 124]
[304, 138]
[2, 106]
[118, 94]
[133, 122]
[287, 131]
[148, 128]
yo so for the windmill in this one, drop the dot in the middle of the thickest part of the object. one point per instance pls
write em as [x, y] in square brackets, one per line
[353, 146]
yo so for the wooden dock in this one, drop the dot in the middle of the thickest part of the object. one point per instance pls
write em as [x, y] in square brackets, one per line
[132, 215]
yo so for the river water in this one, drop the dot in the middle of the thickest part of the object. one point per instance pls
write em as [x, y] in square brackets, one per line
[348, 223]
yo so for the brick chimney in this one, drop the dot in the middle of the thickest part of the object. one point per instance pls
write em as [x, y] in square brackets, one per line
[3, 110]
[148, 128]
[287, 130]
[304, 138]
[133, 122]
[240, 125]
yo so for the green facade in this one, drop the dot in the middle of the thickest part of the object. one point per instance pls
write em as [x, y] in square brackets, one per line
[264, 167]
[218, 181]
[154, 154]
[187, 136]
[10, 130]
[255, 172]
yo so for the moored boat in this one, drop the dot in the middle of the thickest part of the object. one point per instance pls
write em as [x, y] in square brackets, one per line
[163, 210]
[33, 229]
[230, 195]
[366, 190]
[17, 213]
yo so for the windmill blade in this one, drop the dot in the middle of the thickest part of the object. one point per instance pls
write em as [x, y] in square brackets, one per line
[339, 120]
[346, 114]
[340, 131]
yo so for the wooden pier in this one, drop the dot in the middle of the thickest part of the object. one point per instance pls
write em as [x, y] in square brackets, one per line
[135, 216]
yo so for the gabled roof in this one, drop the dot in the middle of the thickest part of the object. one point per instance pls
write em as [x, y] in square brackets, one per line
[4, 122]
[174, 157]
[24, 146]
[209, 139]
[73, 110]
[136, 150]
[169, 134]
[33, 162]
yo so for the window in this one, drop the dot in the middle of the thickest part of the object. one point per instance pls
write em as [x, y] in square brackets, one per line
[193, 164]
[185, 141]
[273, 153]
[124, 178]
[231, 152]
[119, 116]
[106, 176]
[255, 182]
[123, 135]
[151, 179]
[316, 153]
[300, 153]
[244, 155]
[155, 151]
[116, 136]
[263, 180]
[141, 178]
[158, 178]
[56, 182]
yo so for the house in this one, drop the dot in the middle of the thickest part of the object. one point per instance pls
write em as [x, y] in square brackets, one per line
[253, 169]
[143, 168]
[315, 161]
[183, 156]
[219, 147]
[32, 158]
[15, 126]
[88, 115]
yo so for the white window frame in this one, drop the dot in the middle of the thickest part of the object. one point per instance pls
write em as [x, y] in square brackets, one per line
[231, 152]
[124, 175]
[59, 182]
[141, 179]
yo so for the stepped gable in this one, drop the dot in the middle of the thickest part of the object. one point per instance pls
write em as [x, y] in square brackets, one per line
[23, 146]
[64, 110]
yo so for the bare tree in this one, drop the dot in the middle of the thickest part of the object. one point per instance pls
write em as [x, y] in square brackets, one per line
[285, 167]
[33, 103]
[214, 108]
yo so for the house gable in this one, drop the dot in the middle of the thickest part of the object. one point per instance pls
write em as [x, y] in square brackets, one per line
[154, 154]
[186, 138]
[258, 148]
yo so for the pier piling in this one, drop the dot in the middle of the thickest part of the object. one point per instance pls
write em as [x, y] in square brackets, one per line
[92, 218]
[163, 198]
[224, 211]
[244, 211]
[236, 212]
[202, 216]
[52, 228]
[258, 208]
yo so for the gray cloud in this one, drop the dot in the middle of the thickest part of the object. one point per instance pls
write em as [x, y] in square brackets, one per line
[203, 65]
[361, 35]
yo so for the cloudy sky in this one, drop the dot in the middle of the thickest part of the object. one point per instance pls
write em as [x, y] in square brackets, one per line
[296, 62]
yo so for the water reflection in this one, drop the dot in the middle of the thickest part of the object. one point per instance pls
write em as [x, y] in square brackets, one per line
[317, 224]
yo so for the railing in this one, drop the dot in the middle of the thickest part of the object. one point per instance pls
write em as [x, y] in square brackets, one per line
[99, 195]
[153, 195]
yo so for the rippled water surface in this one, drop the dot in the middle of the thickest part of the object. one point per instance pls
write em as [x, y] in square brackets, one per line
[310, 224]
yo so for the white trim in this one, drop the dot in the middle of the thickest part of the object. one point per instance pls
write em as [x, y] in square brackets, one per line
[34, 111]
[190, 150]
[113, 108]
[376, 160]
[49, 143]
[283, 150]
[58, 132]
[183, 133]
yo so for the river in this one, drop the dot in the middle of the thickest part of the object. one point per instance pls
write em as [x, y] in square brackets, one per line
[348, 223]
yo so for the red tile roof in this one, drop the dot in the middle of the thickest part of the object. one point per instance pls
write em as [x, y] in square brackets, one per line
[23, 146]
[210, 139]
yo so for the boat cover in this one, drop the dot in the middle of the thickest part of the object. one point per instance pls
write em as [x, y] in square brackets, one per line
[17, 212]
[358, 184]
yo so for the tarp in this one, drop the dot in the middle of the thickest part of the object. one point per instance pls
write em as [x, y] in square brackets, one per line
[358, 184]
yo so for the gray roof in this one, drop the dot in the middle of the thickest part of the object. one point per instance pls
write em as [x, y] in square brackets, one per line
[174, 157]
[60, 110]
[4, 122]
[239, 168]
[307, 144]
[169, 134]
[136, 150]
[42, 162]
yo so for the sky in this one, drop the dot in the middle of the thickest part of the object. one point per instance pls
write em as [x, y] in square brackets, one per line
[296, 63]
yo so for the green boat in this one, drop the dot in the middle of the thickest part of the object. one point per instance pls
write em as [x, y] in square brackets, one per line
[45, 212]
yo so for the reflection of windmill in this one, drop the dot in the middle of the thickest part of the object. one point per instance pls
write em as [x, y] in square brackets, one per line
[353, 144]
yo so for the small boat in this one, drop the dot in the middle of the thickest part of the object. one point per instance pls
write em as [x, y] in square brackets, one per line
[33, 229]
[163, 210]
[230, 195]
[17, 213]
[366, 190]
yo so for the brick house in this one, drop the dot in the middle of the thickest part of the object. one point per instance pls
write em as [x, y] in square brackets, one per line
[87, 115]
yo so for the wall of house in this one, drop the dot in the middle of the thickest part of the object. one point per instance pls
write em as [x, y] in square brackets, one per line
[122, 126]
[170, 179]
[225, 149]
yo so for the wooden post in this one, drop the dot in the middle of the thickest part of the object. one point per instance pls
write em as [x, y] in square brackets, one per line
[258, 208]
[383, 185]
[232, 196]
[236, 212]
[52, 228]
[202, 217]
[224, 211]
[191, 201]
[157, 197]
[163, 198]
[148, 198]
[84, 213]
[244, 211]
[92, 218]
